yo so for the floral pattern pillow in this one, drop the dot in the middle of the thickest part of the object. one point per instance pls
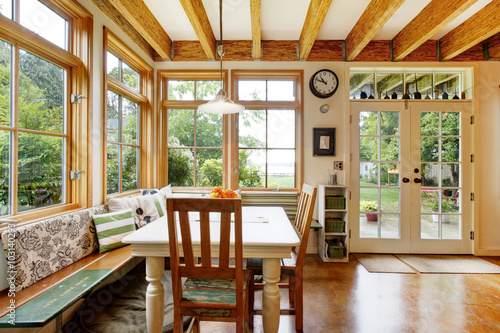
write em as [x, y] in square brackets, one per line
[45, 247]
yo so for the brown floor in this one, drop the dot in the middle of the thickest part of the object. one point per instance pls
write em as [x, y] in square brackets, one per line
[347, 298]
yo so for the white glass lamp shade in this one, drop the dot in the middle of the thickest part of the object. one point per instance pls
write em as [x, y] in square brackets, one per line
[221, 104]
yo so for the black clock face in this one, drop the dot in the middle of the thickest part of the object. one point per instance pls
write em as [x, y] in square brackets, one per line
[324, 83]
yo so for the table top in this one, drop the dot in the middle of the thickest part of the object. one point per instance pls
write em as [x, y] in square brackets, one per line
[267, 233]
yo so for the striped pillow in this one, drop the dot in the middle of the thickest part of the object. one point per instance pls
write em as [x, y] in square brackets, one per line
[112, 227]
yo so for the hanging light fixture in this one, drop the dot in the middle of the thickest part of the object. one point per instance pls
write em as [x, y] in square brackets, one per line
[221, 104]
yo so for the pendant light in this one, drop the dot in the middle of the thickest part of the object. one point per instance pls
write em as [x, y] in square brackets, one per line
[221, 104]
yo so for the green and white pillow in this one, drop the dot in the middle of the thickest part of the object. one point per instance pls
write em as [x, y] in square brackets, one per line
[112, 227]
[146, 208]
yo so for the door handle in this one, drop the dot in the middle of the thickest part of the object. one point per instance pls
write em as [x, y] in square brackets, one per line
[406, 180]
[417, 180]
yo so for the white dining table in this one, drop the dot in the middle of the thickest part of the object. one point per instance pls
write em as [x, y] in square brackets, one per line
[267, 234]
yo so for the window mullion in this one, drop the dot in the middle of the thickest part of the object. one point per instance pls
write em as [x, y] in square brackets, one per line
[15, 134]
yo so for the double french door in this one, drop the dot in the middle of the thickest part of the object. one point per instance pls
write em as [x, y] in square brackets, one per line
[411, 176]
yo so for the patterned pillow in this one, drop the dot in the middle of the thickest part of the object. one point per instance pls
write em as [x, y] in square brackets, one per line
[112, 227]
[164, 190]
[146, 208]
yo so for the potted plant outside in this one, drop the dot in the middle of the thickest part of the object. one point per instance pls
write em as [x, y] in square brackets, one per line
[369, 206]
[431, 201]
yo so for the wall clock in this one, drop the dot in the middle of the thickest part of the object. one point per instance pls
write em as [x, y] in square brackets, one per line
[324, 83]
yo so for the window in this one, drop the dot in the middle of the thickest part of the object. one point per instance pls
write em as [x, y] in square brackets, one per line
[38, 147]
[267, 150]
[195, 154]
[128, 113]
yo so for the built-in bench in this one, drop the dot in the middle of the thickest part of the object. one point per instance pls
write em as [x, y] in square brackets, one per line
[63, 249]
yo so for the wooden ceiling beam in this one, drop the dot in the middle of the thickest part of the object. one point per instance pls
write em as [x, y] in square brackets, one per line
[376, 14]
[435, 16]
[146, 24]
[479, 27]
[199, 20]
[256, 29]
[491, 49]
[107, 8]
[314, 19]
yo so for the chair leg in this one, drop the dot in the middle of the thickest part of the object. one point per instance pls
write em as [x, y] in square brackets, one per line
[251, 301]
[299, 301]
[291, 291]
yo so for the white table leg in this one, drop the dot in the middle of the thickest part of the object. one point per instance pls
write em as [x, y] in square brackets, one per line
[154, 294]
[271, 295]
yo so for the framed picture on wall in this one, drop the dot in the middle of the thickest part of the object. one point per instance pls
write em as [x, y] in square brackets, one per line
[323, 141]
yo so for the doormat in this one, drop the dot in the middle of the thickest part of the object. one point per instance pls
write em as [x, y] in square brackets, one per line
[444, 264]
[383, 263]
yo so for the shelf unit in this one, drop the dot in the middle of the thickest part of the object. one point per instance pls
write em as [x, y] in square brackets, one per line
[340, 201]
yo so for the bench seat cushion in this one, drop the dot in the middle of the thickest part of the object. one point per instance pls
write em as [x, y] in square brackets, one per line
[46, 247]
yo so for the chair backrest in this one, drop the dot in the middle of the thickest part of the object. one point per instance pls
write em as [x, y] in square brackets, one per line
[205, 269]
[303, 219]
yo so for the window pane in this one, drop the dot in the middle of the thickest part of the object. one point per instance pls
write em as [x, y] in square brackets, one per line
[281, 91]
[130, 121]
[113, 112]
[113, 172]
[41, 94]
[362, 85]
[181, 90]
[5, 82]
[252, 90]
[252, 166]
[252, 129]
[181, 128]
[208, 130]
[209, 167]
[40, 171]
[180, 167]
[207, 90]
[281, 168]
[281, 129]
[45, 22]
[130, 168]
[419, 82]
[388, 84]
[5, 173]
[130, 77]
[448, 83]
[6, 8]
[113, 66]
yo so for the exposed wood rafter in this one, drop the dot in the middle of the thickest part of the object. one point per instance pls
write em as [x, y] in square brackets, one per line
[199, 20]
[146, 24]
[256, 30]
[373, 19]
[482, 25]
[435, 16]
[315, 16]
[492, 48]
[107, 8]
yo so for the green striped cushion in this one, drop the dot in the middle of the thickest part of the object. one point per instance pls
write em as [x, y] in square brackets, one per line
[112, 227]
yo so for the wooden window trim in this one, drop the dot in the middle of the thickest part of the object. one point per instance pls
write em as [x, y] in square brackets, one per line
[144, 98]
[298, 77]
[77, 61]
[162, 126]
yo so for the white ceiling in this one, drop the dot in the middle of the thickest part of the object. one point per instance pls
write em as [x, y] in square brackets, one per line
[283, 19]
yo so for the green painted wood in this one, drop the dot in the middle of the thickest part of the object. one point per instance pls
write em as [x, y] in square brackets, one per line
[315, 225]
[47, 306]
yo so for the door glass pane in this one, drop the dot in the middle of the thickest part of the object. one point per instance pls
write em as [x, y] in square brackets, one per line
[208, 130]
[181, 90]
[130, 122]
[450, 150]
[368, 149]
[281, 168]
[280, 90]
[389, 226]
[252, 166]
[429, 149]
[429, 173]
[389, 174]
[181, 128]
[41, 94]
[45, 22]
[113, 116]
[180, 166]
[5, 199]
[389, 123]
[429, 123]
[40, 171]
[5, 82]
[252, 129]
[368, 174]
[368, 123]
[281, 129]
[450, 123]
[113, 168]
[389, 149]
[368, 225]
[451, 227]
[389, 200]
[209, 167]
[130, 168]
[252, 90]
[429, 226]
[450, 174]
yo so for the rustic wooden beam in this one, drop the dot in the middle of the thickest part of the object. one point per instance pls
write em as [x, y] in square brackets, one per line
[376, 14]
[491, 48]
[107, 8]
[435, 16]
[199, 20]
[314, 19]
[256, 29]
[482, 25]
[146, 24]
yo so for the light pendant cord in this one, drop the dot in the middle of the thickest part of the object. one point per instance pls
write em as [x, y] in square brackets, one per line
[220, 48]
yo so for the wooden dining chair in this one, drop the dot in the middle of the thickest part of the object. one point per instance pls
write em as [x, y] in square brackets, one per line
[291, 267]
[215, 291]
